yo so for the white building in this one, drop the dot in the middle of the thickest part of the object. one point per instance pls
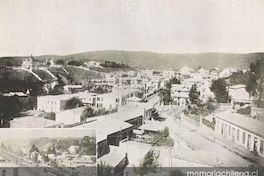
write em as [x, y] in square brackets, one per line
[240, 129]
[93, 64]
[72, 88]
[168, 74]
[180, 95]
[70, 116]
[53, 103]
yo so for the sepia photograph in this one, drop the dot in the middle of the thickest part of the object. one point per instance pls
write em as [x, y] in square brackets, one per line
[47, 148]
[132, 87]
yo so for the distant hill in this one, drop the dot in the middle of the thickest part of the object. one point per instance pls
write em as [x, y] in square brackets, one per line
[142, 59]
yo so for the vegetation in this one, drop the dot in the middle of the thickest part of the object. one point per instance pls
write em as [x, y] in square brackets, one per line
[255, 84]
[208, 123]
[165, 94]
[72, 103]
[162, 138]
[20, 81]
[60, 62]
[194, 95]
[51, 116]
[219, 88]
[75, 62]
[104, 169]
[111, 64]
[239, 77]
[148, 164]
[89, 112]
[9, 108]
[87, 146]
[203, 109]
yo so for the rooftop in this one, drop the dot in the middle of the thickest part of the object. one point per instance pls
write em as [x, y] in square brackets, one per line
[113, 158]
[106, 127]
[152, 125]
[33, 122]
[238, 86]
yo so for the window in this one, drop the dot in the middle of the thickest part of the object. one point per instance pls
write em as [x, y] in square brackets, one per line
[261, 146]
[244, 138]
[233, 134]
[222, 129]
[237, 134]
[249, 141]
[3, 172]
[229, 130]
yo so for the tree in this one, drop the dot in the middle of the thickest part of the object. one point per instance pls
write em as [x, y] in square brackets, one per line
[75, 63]
[87, 112]
[34, 148]
[9, 108]
[165, 96]
[219, 88]
[255, 84]
[173, 80]
[60, 62]
[57, 90]
[104, 169]
[162, 138]
[148, 164]
[72, 103]
[194, 95]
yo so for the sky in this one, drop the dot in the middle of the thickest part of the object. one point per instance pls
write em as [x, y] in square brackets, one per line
[167, 26]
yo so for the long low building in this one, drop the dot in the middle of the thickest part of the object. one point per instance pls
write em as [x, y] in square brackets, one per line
[239, 129]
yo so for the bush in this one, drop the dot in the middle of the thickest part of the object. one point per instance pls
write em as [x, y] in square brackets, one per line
[162, 138]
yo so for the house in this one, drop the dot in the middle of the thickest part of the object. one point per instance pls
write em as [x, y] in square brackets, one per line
[56, 103]
[88, 98]
[72, 88]
[133, 100]
[239, 96]
[114, 129]
[151, 127]
[168, 74]
[227, 72]
[53, 103]
[180, 95]
[117, 160]
[93, 64]
[240, 129]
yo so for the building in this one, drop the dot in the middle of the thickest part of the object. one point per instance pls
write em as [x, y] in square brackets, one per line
[133, 100]
[239, 96]
[115, 130]
[151, 127]
[53, 103]
[72, 88]
[117, 160]
[93, 64]
[180, 95]
[240, 129]
[168, 74]
[34, 122]
[70, 116]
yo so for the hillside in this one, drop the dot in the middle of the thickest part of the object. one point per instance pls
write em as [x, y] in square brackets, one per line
[142, 59]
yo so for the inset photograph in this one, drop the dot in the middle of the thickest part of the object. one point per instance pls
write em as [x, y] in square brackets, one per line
[47, 148]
